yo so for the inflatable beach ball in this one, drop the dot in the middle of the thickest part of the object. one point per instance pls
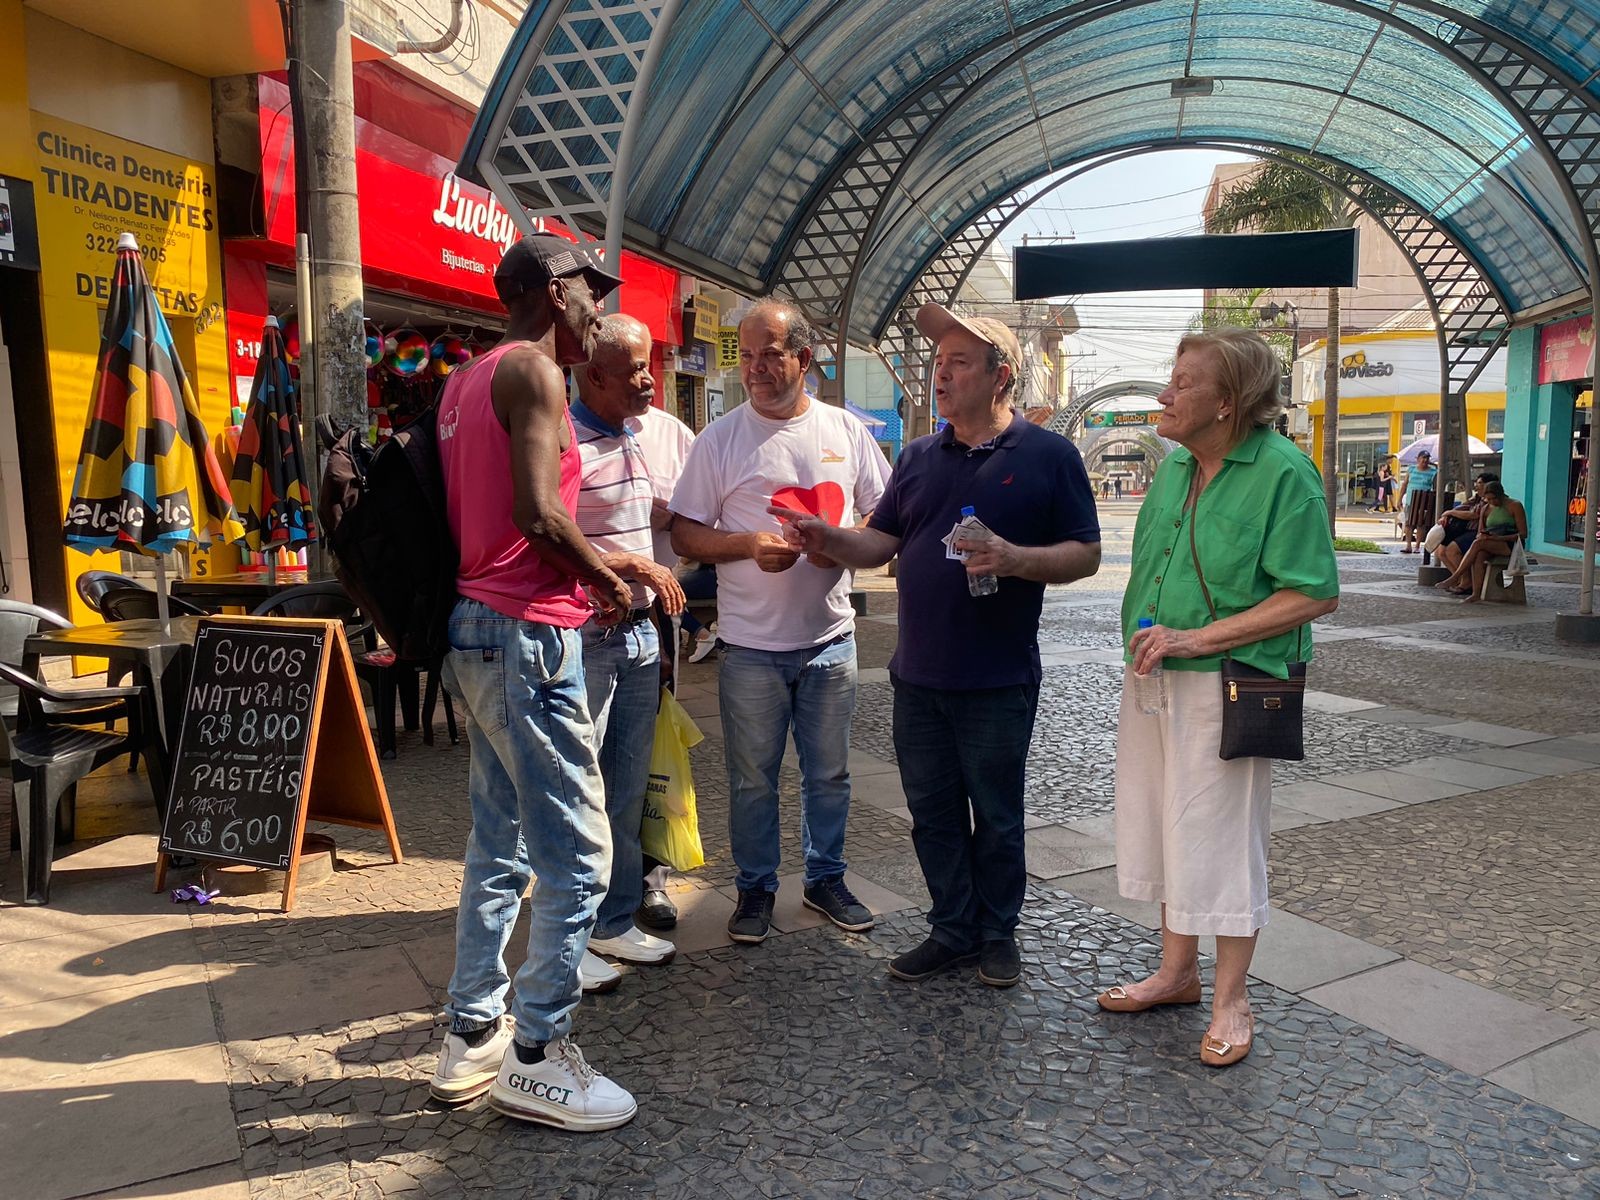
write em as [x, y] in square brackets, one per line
[375, 345]
[407, 353]
[447, 353]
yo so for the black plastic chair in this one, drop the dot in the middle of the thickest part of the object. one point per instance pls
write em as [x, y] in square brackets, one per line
[385, 677]
[93, 585]
[47, 760]
[17, 622]
[135, 603]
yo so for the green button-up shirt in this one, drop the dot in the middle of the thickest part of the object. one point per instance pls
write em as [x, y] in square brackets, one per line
[1262, 527]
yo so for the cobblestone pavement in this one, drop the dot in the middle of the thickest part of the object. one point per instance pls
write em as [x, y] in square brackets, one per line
[799, 1068]
[1521, 639]
[1072, 759]
[1467, 687]
[1501, 888]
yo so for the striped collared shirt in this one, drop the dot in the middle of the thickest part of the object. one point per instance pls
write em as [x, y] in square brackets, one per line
[615, 494]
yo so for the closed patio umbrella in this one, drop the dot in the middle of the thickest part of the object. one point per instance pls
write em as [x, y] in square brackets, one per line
[269, 472]
[147, 479]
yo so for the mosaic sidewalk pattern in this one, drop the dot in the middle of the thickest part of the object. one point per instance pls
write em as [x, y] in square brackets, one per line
[800, 1069]
[1072, 761]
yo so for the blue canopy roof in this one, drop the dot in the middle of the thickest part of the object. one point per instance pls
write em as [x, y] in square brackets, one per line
[832, 149]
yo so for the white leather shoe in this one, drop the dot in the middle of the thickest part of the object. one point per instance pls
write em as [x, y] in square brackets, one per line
[597, 975]
[563, 1090]
[464, 1071]
[635, 946]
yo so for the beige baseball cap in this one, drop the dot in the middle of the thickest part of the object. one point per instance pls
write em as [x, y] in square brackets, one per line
[935, 320]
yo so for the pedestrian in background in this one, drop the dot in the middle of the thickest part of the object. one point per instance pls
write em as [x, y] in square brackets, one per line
[1416, 506]
[1385, 497]
[966, 670]
[1246, 505]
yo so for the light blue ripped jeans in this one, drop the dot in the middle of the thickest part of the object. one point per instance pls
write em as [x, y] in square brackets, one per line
[538, 810]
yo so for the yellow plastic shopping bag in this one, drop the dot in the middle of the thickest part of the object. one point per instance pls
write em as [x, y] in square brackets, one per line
[671, 829]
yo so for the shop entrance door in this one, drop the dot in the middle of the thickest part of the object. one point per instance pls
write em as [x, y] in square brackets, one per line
[1358, 468]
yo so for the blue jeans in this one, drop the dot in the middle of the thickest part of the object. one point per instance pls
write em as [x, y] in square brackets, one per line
[622, 671]
[537, 810]
[962, 759]
[764, 693]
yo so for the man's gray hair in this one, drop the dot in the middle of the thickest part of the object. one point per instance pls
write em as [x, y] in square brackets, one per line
[799, 333]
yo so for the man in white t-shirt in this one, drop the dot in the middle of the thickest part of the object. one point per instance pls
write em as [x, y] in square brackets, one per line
[665, 441]
[786, 621]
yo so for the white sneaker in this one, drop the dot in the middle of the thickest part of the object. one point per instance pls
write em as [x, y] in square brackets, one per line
[597, 974]
[704, 643]
[464, 1071]
[635, 946]
[562, 1090]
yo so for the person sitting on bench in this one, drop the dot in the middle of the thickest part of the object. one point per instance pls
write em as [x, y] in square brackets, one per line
[1503, 523]
[1461, 525]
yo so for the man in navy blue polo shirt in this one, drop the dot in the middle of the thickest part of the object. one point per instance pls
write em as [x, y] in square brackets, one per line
[966, 672]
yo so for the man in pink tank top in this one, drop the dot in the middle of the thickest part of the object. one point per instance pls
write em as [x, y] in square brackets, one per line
[511, 472]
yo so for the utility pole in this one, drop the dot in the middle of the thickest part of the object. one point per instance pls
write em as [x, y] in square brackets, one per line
[323, 97]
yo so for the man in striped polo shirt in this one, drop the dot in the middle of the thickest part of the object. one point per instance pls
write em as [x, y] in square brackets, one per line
[621, 662]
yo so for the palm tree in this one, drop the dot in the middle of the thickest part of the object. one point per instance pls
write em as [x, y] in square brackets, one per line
[1283, 197]
[1241, 308]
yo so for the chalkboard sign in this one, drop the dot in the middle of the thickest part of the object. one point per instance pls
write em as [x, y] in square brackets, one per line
[242, 747]
[273, 734]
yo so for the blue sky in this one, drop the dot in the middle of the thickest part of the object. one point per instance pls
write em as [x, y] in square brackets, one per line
[1126, 335]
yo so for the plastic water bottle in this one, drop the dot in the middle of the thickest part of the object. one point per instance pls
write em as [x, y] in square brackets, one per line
[1150, 690]
[975, 530]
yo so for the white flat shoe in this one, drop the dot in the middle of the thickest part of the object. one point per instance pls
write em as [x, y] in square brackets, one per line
[597, 974]
[635, 946]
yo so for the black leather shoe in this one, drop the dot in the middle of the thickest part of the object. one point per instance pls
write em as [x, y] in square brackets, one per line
[999, 963]
[657, 912]
[929, 959]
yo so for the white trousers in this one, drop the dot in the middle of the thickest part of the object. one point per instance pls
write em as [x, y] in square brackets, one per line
[1192, 829]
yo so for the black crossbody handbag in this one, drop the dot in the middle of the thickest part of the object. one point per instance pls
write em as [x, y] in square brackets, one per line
[1262, 716]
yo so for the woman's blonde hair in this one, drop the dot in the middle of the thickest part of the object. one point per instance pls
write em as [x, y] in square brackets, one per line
[1248, 371]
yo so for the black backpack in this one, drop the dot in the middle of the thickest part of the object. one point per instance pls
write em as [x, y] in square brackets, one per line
[383, 516]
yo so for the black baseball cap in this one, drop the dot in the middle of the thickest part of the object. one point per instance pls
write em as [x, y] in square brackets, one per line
[538, 258]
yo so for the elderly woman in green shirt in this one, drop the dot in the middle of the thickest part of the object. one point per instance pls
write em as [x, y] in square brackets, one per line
[1192, 829]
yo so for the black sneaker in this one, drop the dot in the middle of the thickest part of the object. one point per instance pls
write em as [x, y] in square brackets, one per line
[928, 959]
[657, 912]
[999, 964]
[834, 900]
[752, 919]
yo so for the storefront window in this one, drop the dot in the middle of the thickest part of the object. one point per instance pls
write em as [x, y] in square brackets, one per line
[1363, 444]
[1495, 433]
[1578, 499]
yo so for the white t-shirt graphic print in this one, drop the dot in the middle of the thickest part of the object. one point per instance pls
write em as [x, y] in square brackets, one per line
[823, 461]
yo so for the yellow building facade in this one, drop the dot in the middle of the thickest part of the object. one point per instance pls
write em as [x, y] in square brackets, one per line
[1389, 396]
[110, 140]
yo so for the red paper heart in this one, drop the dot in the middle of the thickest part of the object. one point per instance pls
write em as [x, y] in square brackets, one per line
[826, 500]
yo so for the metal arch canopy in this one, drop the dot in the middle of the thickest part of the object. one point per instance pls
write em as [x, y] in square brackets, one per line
[826, 150]
[833, 151]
